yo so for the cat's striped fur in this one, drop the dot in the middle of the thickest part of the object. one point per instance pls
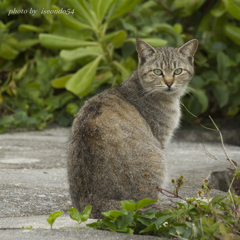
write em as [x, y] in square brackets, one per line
[116, 147]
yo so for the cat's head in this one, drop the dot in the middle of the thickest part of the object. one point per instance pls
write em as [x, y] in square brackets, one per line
[165, 69]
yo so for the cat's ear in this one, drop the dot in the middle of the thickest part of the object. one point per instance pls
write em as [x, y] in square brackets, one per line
[189, 48]
[144, 50]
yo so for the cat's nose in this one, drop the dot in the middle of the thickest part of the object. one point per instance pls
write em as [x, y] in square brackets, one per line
[169, 84]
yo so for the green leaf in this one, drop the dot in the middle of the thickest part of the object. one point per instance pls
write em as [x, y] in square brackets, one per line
[78, 53]
[203, 99]
[119, 38]
[124, 220]
[5, 120]
[155, 42]
[72, 108]
[221, 93]
[145, 221]
[101, 6]
[218, 10]
[114, 213]
[83, 10]
[162, 220]
[27, 43]
[111, 225]
[217, 199]
[120, 7]
[198, 82]
[233, 7]
[233, 33]
[187, 6]
[29, 28]
[53, 216]
[222, 60]
[177, 27]
[74, 214]
[71, 22]
[144, 202]
[150, 228]
[61, 82]
[128, 205]
[7, 52]
[57, 42]
[232, 111]
[86, 213]
[80, 83]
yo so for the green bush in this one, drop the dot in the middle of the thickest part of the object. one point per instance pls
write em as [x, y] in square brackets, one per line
[51, 63]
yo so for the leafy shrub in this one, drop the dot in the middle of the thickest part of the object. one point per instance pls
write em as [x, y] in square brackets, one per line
[93, 47]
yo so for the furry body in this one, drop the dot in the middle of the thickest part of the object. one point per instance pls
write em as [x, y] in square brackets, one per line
[116, 147]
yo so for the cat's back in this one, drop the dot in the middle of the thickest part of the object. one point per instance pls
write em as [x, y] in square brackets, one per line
[106, 113]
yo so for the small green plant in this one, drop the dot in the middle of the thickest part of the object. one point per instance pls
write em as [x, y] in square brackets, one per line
[80, 217]
[27, 227]
[53, 216]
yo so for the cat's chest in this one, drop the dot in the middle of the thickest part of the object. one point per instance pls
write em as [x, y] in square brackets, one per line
[163, 119]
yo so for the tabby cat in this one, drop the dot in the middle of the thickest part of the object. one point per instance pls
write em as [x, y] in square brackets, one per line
[115, 150]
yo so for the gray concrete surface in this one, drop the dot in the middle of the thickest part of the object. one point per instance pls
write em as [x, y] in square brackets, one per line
[33, 180]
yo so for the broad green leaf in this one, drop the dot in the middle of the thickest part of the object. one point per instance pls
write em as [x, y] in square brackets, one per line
[111, 36]
[232, 111]
[6, 120]
[83, 10]
[233, 33]
[177, 27]
[155, 42]
[57, 42]
[144, 202]
[162, 220]
[7, 52]
[71, 22]
[238, 57]
[233, 7]
[124, 220]
[198, 82]
[150, 213]
[219, 46]
[73, 55]
[101, 6]
[114, 213]
[119, 38]
[203, 99]
[120, 7]
[111, 225]
[124, 72]
[86, 213]
[222, 60]
[206, 23]
[221, 93]
[145, 221]
[74, 214]
[61, 82]
[53, 216]
[188, 6]
[217, 199]
[29, 28]
[80, 83]
[218, 10]
[149, 228]
[128, 205]
[27, 43]
[72, 108]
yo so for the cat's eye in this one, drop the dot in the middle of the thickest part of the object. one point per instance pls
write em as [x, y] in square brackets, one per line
[157, 72]
[178, 71]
